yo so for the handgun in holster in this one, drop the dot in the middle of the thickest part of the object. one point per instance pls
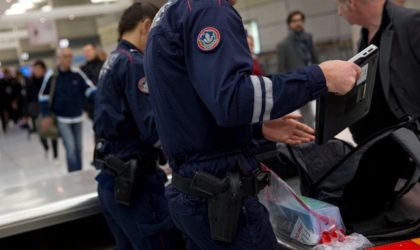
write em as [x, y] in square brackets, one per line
[225, 199]
[125, 173]
[125, 178]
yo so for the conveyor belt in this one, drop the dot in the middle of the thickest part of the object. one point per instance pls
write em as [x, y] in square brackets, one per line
[48, 202]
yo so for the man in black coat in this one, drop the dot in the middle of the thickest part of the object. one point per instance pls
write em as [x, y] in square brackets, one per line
[93, 64]
[396, 31]
[296, 51]
[4, 117]
[91, 68]
[12, 97]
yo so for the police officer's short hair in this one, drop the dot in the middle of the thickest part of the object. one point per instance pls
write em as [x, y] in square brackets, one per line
[135, 14]
[294, 13]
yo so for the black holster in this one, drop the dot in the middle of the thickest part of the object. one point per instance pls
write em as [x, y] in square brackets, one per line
[126, 174]
[125, 182]
[224, 210]
[225, 197]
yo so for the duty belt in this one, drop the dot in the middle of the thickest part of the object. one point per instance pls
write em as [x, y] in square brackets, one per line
[225, 197]
[206, 185]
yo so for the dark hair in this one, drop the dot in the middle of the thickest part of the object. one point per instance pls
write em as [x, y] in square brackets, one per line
[90, 44]
[135, 14]
[40, 63]
[294, 13]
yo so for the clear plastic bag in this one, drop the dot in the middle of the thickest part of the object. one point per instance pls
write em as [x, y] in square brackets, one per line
[303, 219]
[351, 242]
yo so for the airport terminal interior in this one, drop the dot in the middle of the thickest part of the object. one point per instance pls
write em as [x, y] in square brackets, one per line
[46, 203]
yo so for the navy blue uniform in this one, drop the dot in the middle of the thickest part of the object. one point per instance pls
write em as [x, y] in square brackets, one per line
[124, 118]
[198, 68]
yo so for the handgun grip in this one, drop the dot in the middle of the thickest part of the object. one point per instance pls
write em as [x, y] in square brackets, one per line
[209, 184]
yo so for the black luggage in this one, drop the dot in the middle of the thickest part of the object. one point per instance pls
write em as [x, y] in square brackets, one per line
[380, 201]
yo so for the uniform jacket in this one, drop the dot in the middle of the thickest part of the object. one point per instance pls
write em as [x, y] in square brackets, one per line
[123, 115]
[198, 67]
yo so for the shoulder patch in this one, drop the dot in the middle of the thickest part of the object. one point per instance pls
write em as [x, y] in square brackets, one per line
[208, 39]
[142, 86]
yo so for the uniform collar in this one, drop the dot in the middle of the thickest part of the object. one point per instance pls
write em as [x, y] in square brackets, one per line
[127, 45]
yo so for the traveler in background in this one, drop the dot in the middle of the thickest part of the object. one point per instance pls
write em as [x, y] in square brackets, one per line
[70, 87]
[4, 116]
[91, 68]
[13, 96]
[93, 64]
[33, 87]
[22, 80]
[102, 55]
[256, 66]
[296, 51]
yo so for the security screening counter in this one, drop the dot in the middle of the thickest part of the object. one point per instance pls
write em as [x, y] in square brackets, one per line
[48, 202]
[60, 200]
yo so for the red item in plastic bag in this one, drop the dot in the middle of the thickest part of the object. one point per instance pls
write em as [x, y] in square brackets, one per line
[294, 217]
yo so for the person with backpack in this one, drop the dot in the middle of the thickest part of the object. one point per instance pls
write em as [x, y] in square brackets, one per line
[33, 87]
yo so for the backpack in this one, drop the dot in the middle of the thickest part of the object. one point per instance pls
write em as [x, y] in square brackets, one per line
[377, 205]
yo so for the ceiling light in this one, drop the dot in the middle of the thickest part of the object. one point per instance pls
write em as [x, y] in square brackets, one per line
[102, 1]
[9, 12]
[24, 56]
[46, 8]
[25, 6]
[30, 1]
[64, 43]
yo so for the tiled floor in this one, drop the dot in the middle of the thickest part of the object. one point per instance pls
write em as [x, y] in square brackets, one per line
[22, 159]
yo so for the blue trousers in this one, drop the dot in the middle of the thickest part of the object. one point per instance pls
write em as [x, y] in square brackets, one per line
[71, 133]
[145, 224]
[190, 215]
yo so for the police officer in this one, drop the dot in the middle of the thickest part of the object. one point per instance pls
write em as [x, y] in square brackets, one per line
[205, 99]
[130, 189]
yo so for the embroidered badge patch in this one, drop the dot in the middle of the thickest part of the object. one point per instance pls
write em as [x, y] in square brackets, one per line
[142, 86]
[208, 39]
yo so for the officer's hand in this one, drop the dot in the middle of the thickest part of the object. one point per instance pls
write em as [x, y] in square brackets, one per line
[341, 76]
[166, 169]
[288, 130]
[46, 123]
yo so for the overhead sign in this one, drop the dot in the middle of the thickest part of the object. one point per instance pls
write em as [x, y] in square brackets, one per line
[42, 32]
